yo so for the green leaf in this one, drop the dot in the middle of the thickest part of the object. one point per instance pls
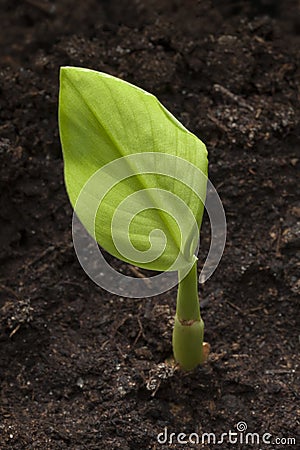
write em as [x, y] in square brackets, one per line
[138, 159]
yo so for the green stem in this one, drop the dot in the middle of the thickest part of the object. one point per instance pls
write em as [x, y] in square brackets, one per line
[188, 327]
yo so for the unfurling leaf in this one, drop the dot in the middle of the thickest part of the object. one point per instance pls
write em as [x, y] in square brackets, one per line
[139, 168]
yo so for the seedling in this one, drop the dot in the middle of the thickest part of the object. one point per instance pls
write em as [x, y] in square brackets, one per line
[151, 214]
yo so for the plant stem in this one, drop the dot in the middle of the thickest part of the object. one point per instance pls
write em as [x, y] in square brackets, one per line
[188, 327]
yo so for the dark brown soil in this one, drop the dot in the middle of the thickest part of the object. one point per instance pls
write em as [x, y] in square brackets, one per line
[75, 360]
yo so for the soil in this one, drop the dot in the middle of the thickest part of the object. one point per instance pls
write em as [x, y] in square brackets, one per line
[84, 369]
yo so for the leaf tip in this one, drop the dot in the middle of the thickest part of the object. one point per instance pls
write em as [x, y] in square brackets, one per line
[65, 72]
